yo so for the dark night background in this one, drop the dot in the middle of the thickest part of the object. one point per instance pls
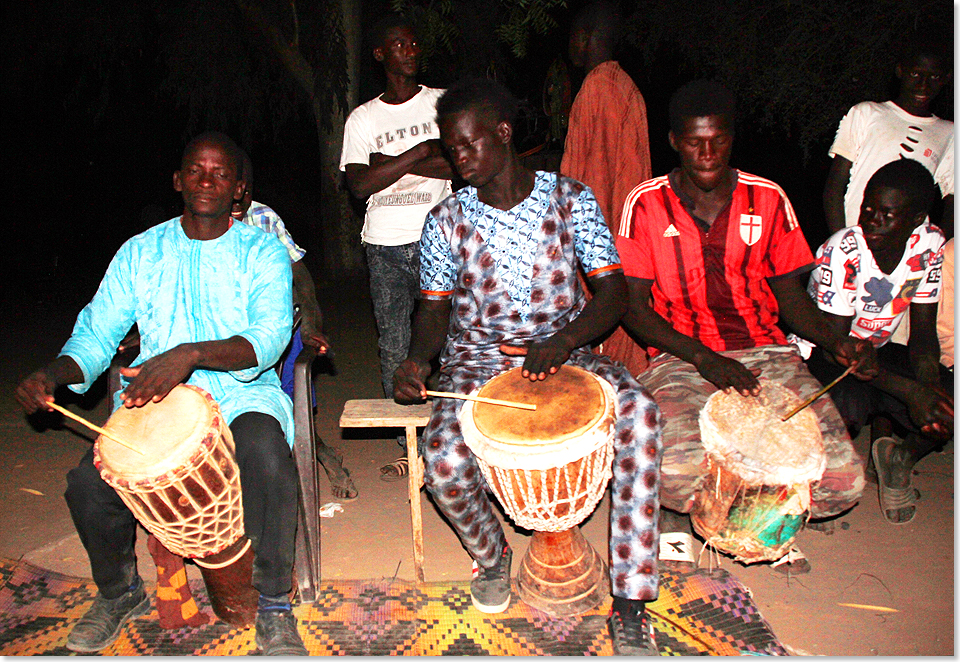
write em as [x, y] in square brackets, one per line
[95, 120]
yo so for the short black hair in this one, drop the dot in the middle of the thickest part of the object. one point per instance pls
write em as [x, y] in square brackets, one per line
[221, 140]
[911, 178]
[701, 98]
[601, 17]
[388, 22]
[480, 93]
[931, 45]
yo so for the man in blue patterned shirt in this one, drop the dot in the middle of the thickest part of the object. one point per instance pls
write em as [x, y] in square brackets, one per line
[503, 253]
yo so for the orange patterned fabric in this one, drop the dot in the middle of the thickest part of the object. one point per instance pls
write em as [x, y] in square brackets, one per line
[175, 604]
[608, 149]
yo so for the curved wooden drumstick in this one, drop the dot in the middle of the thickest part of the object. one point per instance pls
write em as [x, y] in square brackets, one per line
[95, 428]
[477, 398]
[818, 394]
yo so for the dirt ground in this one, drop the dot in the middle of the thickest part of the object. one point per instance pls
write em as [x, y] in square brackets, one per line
[875, 588]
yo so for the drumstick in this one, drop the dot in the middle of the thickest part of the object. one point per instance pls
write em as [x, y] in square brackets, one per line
[95, 428]
[819, 393]
[477, 398]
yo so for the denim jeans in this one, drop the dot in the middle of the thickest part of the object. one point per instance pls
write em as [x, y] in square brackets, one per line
[395, 288]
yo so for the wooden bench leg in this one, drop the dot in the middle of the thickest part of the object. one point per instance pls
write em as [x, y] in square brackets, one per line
[413, 489]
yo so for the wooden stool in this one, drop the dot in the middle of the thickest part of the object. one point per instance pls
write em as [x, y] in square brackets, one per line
[384, 413]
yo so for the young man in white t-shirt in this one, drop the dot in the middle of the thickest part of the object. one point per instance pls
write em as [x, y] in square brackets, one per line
[868, 279]
[873, 134]
[392, 157]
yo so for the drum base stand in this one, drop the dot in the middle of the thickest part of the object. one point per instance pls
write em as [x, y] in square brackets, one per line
[562, 574]
[227, 576]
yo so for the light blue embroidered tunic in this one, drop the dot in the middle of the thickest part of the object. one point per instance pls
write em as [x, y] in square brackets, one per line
[181, 290]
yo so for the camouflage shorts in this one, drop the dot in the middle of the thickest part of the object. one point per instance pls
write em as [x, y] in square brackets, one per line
[681, 392]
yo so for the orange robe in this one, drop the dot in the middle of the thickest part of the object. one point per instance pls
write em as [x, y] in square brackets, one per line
[608, 148]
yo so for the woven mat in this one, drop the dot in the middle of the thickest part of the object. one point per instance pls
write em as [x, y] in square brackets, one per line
[700, 613]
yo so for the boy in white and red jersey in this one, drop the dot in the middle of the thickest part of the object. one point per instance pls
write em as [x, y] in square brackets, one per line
[868, 278]
[720, 253]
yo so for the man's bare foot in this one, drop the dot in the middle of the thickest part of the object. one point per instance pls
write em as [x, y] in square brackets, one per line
[894, 468]
[341, 485]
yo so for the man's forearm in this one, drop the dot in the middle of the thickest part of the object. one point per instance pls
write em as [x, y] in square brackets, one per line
[801, 314]
[601, 313]
[64, 370]
[429, 329]
[383, 171]
[646, 324]
[305, 294]
[834, 192]
[436, 167]
[234, 353]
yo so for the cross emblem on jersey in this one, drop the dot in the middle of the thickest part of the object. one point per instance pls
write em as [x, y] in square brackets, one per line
[751, 227]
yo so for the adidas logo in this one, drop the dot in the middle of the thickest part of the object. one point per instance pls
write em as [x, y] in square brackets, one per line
[671, 232]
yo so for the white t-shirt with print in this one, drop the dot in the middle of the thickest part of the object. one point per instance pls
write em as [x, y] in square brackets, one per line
[847, 281]
[396, 214]
[873, 134]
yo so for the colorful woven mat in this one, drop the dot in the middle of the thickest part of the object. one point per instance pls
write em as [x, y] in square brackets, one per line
[701, 613]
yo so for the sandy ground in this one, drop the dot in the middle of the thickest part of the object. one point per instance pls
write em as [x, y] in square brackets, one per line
[902, 576]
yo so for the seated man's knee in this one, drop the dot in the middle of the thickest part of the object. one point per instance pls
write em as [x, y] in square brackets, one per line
[262, 448]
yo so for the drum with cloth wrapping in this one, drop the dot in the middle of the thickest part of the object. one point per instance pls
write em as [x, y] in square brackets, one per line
[756, 494]
[185, 489]
[549, 469]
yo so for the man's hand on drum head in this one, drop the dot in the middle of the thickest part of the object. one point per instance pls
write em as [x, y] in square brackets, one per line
[153, 379]
[543, 358]
[850, 350]
[727, 374]
[408, 382]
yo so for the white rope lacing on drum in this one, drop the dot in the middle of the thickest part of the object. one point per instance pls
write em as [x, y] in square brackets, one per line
[553, 499]
[210, 528]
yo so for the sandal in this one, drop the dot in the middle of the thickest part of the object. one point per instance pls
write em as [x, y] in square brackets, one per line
[396, 470]
[794, 562]
[892, 498]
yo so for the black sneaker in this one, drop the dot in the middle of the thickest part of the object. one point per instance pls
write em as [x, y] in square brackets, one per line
[490, 587]
[101, 625]
[631, 629]
[277, 633]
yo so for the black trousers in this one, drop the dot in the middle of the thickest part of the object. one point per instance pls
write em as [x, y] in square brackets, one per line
[268, 480]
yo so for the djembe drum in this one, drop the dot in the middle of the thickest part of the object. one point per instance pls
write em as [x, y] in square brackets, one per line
[757, 492]
[185, 489]
[549, 469]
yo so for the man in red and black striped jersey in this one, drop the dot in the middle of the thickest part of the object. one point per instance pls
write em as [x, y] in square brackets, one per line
[720, 255]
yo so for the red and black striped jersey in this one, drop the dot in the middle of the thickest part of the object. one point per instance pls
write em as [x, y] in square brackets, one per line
[710, 283]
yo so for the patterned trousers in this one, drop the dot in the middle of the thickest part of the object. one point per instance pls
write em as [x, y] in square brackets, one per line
[681, 393]
[459, 489]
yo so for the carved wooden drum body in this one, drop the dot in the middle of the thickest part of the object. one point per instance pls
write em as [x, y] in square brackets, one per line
[760, 469]
[185, 489]
[549, 469]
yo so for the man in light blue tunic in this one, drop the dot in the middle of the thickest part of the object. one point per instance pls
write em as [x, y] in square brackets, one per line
[212, 299]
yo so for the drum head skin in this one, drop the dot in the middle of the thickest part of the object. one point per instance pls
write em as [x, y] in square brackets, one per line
[746, 436]
[168, 432]
[568, 403]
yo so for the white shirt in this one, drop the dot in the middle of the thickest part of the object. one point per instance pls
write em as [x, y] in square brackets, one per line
[847, 281]
[872, 135]
[396, 214]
